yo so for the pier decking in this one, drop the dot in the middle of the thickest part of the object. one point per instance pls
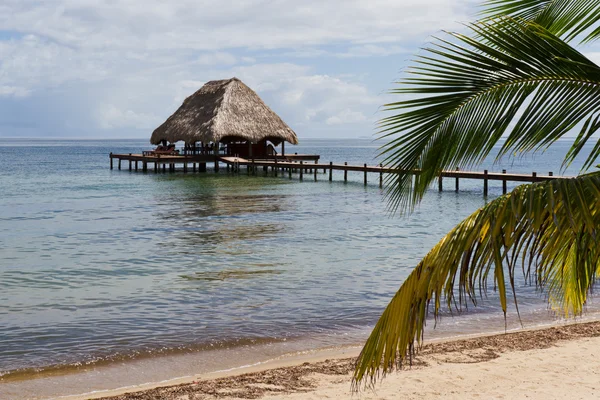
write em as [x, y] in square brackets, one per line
[295, 163]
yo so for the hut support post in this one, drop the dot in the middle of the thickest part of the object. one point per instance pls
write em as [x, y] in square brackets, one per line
[440, 183]
[276, 167]
[130, 164]
[330, 171]
[345, 172]
[504, 183]
[155, 166]
[185, 167]
[381, 175]
[485, 183]
[365, 174]
[315, 174]
[194, 167]
[290, 173]
[119, 163]
[145, 166]
[201, 167]
[136, 165]
[301, 170]
[216, 152]
[456, 183]
[111, 161]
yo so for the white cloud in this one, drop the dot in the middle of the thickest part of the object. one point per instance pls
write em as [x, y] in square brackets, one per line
[346, 116]
[13, 91]
[110, 117]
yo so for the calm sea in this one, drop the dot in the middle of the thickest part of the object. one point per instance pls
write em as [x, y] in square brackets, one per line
[100, 268]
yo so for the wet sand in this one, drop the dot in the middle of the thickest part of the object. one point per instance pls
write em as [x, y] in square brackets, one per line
[557, 362]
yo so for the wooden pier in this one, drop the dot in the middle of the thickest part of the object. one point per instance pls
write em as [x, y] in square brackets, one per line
[304, 164]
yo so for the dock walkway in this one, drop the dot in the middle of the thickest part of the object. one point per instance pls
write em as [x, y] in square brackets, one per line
[295, 163]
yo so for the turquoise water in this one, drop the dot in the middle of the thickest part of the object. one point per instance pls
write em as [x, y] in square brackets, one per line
[100, 265]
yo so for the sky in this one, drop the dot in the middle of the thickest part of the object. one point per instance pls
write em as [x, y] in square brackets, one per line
[119, 68]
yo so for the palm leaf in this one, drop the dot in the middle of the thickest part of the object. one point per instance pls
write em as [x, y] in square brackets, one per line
[552, 228]
[469, 94]
[565, 18]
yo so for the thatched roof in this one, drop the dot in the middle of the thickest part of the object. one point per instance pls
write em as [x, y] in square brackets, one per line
[224, 111]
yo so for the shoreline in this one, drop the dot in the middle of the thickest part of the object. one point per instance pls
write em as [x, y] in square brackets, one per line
[293, 374]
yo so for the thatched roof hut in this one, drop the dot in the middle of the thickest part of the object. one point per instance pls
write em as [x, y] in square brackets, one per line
[224, 111]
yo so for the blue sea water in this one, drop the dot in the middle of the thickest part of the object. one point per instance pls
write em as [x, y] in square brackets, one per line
[100, 265]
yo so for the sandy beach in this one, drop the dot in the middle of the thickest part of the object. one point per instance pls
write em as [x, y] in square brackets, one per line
[549, 363]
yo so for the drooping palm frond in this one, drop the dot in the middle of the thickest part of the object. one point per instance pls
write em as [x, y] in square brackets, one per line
[470, 93]
[565, 18]
[550, 231]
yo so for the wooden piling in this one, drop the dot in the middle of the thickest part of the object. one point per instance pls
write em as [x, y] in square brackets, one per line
[485, 182]
[119, 163]
[365, 174]
[136, 165]
[440, 183]
[130, 165]
[504, 190]
[315, 173]
[144, 166]
[456, 183]
[111, 161]
[156, 167]
[330, 171]
[185, 167]
[381, 175]
[194, 167]
[345, 172]
[290, 173]
[301, 169]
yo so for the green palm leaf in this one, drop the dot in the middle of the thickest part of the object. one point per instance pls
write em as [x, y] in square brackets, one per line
[469, 93]
[564, 18]
[549, 231]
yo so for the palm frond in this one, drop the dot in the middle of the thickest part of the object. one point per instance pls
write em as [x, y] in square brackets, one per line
[564, 18]
[468, 94]
[550, 231]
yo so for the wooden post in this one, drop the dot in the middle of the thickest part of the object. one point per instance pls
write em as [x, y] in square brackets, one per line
[345, 172]
[283, 148]
[485, 182]
[504, 183]
[550, 173]
[184, 167]
[202, 167]
[111, 161]
[193, 167]
[315, 172]
[301, 169]
[145, 166]
[156, 167]
[276, 167]
[119, 163]
[456, 183]
[381, 175]
[365, 174]
[164, 167]
[130, 164]
[440, 183]
[136, 165]
[330, 171]
[290, 173]
[534, 176]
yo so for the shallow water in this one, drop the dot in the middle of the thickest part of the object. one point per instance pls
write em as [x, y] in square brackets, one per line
[101, 266]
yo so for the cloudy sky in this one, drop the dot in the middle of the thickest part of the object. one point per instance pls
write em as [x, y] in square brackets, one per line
[118, 68]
